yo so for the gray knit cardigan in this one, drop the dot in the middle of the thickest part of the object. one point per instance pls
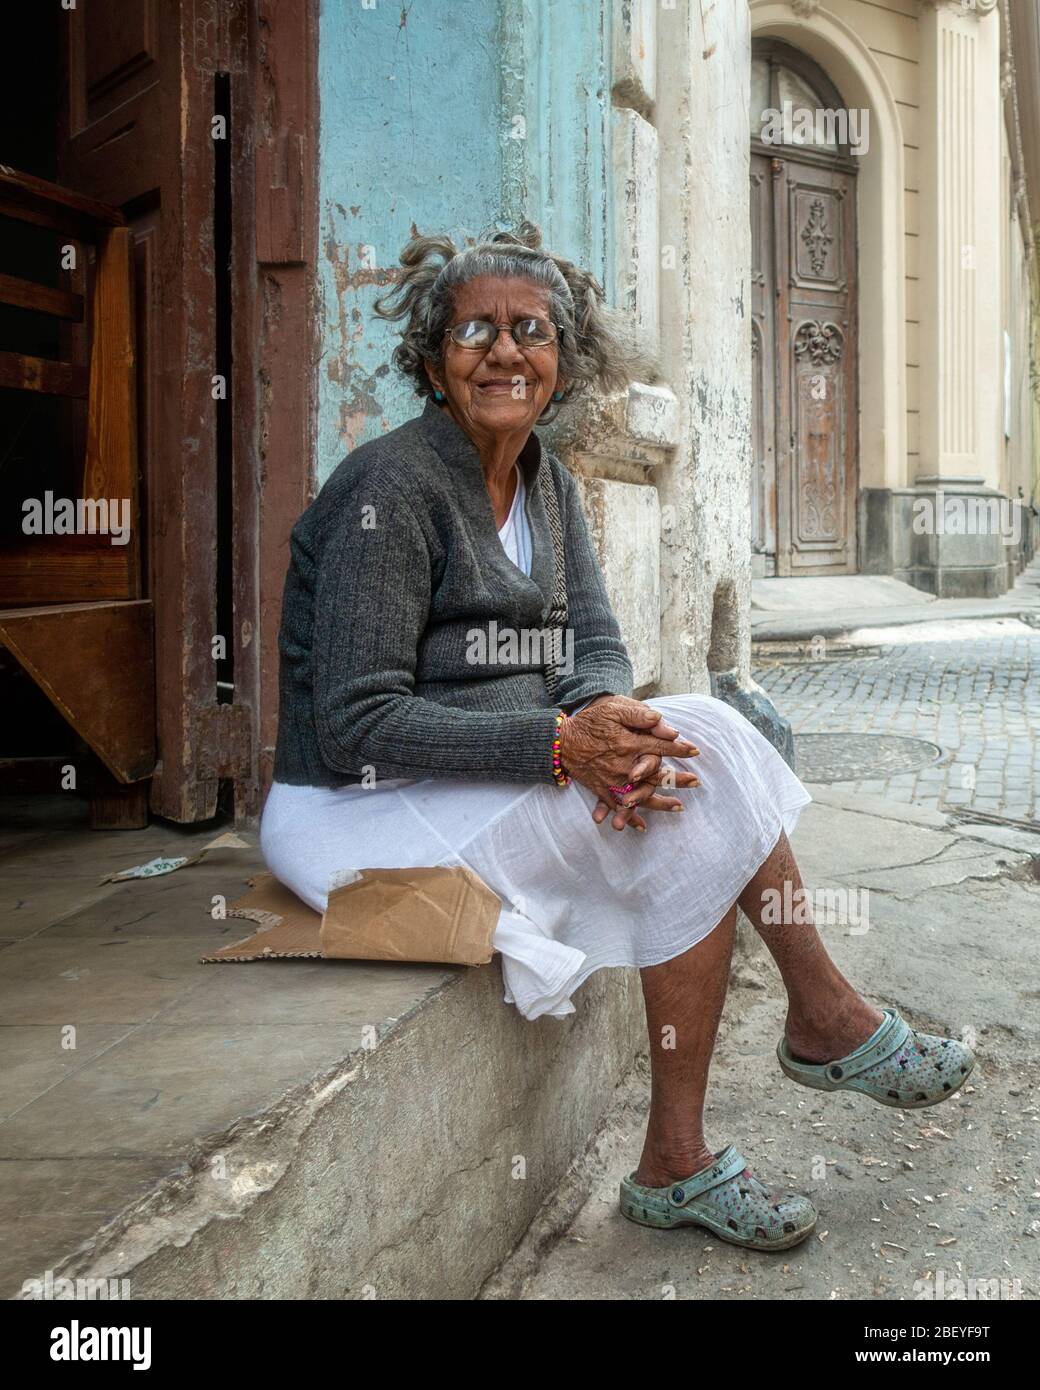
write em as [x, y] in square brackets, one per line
[394, 566]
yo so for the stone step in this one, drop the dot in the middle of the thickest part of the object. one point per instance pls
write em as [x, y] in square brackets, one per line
[319, 1129]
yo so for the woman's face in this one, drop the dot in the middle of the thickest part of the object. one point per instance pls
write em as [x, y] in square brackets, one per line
[504, 389]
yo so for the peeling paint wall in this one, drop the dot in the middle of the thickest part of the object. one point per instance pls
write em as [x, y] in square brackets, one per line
[446, 118]
[410, 138]
[556, 114]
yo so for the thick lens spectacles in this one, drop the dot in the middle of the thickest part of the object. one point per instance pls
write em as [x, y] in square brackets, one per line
[526, 333]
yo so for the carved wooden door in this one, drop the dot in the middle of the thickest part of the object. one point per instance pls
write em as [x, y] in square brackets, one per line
[763, 367]
[804, 352]
[804, 357]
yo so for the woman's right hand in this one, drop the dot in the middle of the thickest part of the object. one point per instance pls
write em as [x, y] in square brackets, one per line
[602, 744]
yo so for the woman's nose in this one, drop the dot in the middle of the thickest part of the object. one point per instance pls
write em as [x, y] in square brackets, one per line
[505, 347]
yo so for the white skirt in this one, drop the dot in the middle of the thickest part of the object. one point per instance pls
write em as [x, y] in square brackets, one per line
[576, 896]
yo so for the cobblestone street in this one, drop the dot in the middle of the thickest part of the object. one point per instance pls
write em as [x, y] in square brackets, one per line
[973, 688]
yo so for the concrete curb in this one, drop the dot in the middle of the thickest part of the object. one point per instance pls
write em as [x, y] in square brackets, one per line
[790, 627]
[409, 1170]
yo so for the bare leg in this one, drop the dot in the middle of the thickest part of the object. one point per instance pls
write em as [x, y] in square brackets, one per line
[684, 999]
[826, 1018]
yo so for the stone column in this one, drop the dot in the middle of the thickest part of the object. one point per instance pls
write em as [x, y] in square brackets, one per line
[703, 75]
[953, 510]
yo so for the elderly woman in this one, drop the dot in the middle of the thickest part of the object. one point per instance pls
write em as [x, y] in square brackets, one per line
[410, 736]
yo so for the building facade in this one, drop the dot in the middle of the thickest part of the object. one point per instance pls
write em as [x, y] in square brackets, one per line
[816, 214]
[895, 276]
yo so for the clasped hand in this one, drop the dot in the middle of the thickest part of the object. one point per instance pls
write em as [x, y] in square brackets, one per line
[615, 740]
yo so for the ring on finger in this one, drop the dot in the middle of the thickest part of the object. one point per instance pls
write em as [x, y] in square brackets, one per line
[619, 793]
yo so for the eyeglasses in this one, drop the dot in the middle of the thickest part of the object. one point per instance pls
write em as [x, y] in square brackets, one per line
[526, 333]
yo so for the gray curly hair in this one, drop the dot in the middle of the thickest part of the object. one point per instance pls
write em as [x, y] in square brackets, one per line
[595, 348]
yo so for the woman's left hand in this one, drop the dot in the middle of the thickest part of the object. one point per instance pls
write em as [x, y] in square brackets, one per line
[646, 776]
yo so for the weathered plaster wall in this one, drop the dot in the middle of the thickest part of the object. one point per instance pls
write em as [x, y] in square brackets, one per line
[448, 119]
[555, 125]
[410, 137]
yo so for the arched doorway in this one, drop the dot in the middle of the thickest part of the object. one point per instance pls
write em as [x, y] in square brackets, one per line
[804, 319]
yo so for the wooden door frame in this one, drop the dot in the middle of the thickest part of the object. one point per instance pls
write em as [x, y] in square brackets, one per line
[182, 498]
[271, 48]
[787, 454]
[278, 457]
[764, 508]
[268, 50]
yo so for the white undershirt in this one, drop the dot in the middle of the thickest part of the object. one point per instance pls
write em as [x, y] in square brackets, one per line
[515, 531]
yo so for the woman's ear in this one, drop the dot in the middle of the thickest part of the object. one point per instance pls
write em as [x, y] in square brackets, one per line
[432, 378]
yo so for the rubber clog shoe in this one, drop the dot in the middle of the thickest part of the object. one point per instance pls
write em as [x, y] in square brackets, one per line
[897, 1066]
[726, 1199]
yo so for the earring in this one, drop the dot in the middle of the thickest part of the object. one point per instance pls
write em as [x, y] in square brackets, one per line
[438, 395]
[557, 395]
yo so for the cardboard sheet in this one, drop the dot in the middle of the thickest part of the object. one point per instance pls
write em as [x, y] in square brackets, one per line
[439, 915]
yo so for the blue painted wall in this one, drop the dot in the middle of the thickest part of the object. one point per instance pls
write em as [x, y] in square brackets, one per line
[449, 117]
[556, 72]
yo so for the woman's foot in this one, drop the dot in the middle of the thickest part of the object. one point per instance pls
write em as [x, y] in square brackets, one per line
[896, 1066]
[658, 1168]
[725, 1198]
[826, 1038]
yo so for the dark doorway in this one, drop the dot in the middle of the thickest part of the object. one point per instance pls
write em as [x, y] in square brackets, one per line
[190, 124]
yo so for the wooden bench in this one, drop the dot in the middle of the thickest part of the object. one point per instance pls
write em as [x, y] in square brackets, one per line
[71, 609]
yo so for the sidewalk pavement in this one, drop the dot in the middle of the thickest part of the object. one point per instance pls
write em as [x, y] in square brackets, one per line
[839, 605]
[282, 1129]
[903, 1196]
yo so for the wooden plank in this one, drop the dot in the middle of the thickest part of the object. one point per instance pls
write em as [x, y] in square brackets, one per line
[50, 204]
[94, 663]
[64, 569]
[26, 294]
[52, 220]
[111, 462]
[36, 610]
[20, 372]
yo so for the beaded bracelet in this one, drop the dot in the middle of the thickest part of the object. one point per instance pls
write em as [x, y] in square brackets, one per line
[560, 777]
